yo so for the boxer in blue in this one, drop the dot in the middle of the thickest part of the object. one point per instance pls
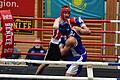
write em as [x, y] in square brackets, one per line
[72, 49]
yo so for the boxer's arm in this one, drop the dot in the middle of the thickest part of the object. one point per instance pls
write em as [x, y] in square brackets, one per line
[56, 23]
[70, 42]
[81, 28]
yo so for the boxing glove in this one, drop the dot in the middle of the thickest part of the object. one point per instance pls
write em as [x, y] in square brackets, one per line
[77, 21]
[62, 41]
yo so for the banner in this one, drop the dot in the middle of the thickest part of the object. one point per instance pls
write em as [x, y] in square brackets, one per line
[83, 8]
[23, 24]
[18, 7]
[7, 33]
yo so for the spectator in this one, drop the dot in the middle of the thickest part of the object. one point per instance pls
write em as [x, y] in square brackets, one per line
[36, 49]
[16, 50]
[14, 56]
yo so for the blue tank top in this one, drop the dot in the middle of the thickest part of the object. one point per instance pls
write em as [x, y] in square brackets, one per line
[78, 49]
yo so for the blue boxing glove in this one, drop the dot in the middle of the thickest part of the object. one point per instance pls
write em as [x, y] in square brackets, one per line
[79, 21]
[62, 41]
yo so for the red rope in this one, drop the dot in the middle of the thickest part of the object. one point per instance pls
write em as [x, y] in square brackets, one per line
[44, 42]
[102, 56]
[97, 21]
[0, 43]
[30, 54]
[34, 29]
[45, 19]
[99, 44]
[0, 29]
[52, 19]
[102, 31]
[89, 55]
[43, 29]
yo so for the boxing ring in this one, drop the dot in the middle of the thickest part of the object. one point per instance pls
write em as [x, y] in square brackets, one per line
[8, 24]
[89, 65]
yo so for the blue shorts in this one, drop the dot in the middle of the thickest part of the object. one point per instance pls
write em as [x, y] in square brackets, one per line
[76, 69]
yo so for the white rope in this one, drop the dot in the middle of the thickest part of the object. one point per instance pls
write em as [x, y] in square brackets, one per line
[12, 65]
[117, 32]
[51, 77]
[118, 56]
[117, 44]
[55, 62]
[115, 21]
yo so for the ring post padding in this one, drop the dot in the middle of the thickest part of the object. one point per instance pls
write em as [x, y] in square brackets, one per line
[7, 33]
[90, 72]
[119, 62]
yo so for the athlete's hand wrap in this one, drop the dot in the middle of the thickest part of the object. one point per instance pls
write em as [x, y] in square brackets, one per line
[62, 41]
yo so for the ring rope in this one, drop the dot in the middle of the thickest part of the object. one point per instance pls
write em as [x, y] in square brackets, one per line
[0, 29]
[93, 44]
[102, 56]
[0, 43]
[43, 29]
[44, 19]
[89, 55]
[59, 62]
[62, 62]
[34, 29]
[91, 21]
[24, 53]
[26, 41]
[52, 77]
[102, 31]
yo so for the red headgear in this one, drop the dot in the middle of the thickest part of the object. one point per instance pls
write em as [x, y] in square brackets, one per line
[64, 10]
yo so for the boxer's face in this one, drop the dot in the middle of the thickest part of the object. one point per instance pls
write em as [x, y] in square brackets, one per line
[37, 45]
[66, 15]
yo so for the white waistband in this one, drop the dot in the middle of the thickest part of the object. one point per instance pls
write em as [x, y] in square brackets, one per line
[55, 41]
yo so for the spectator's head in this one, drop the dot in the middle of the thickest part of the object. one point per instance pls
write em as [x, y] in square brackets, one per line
[37, 45]
[65, 12]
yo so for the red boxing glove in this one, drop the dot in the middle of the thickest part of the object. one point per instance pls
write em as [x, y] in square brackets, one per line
[72, 20]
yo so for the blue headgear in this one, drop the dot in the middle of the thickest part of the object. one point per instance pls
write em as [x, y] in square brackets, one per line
[64, 28]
